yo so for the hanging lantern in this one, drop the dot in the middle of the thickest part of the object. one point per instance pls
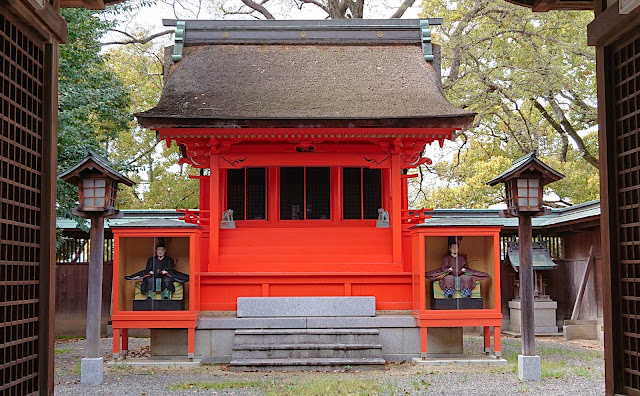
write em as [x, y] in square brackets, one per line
[97, 184]
[524, 184]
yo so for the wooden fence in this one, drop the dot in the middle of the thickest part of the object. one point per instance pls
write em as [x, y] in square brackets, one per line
[72, 269]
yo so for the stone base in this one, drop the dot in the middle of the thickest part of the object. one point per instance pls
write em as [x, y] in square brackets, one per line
[529, 368]
[443, 341]
[544, 314]
[91, 371]
[551, 330]
[227, 224]
[169, 342]
[580, 330]
[460, 361]
[382, 223]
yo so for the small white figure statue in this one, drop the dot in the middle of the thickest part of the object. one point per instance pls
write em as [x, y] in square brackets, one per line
[227, 215]
[383, 214]
[227, 219]
[383, 219]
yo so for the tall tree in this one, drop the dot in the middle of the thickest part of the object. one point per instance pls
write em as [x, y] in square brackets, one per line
[531, 79]
[161, 182]
[93, 104]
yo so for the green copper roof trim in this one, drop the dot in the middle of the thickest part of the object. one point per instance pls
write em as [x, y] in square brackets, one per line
[427, 48]
[179, 41]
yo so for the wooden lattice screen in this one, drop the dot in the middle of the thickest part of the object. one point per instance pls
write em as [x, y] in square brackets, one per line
[626, 63]
[21, 116]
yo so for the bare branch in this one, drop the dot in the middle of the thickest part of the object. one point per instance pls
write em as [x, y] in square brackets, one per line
[566, 125]
[315, 3]
[259, 8]
[403, 8]
[556, 126]
[135, 40]
[144, 154]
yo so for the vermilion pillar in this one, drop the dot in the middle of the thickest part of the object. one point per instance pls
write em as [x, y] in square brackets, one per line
[214, 211]
[396, 210]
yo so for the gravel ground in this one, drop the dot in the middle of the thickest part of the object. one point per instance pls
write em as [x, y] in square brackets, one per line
[568, 368]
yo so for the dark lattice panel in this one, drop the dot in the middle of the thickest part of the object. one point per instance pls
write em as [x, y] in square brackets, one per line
[21, 106]
[256, 193]
[318, 183]
[371, 192]
[235, 192]
[626, 64]
[291, 193]
[351, 193]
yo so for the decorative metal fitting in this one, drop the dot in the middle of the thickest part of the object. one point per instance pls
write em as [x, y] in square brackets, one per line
[179, 41]
[427, 48]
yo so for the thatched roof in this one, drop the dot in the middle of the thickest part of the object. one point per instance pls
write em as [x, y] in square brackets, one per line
[272, 85]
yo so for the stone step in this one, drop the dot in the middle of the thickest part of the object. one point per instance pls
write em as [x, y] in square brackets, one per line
[308, 364]
[297, 351]
[305, 331]
[306, 336]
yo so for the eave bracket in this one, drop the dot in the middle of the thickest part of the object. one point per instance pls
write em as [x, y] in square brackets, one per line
[179, 41]
[425, 33]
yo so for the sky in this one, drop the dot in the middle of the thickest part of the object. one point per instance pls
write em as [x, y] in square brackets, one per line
[149, 18]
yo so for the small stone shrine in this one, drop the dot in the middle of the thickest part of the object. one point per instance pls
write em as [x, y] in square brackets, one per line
[544, 307]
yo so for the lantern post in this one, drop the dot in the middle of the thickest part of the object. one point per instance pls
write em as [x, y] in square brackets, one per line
[97, 189]
[524, 185]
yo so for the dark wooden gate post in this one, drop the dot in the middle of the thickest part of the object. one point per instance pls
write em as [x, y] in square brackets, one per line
[526, 286]
[94, 292]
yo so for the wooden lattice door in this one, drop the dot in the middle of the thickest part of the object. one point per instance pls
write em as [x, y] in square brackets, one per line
[626, 279]
[21, 155]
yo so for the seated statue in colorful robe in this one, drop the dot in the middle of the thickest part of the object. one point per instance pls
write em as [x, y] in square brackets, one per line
[455, 265]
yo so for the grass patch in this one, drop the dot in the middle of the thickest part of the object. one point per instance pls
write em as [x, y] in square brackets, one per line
[422, 384]
[216, 385]
[60, 351]
[324, 386]
[77, 368]
[586, 372]
[510, 355]
[553, 369]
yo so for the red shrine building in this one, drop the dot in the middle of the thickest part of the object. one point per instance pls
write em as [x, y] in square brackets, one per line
[305, 133]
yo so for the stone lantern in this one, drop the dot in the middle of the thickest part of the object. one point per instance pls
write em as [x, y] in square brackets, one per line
[524, 182]
[97, 187]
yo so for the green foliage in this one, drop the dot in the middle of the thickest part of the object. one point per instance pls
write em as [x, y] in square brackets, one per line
[92, 102]
[162, 183]
[530, 77]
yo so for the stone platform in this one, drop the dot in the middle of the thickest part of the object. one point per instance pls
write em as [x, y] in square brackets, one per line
[264, 307]
[461, 360]
[398, 334]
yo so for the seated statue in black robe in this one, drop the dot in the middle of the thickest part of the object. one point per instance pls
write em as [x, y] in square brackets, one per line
[161, 267]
